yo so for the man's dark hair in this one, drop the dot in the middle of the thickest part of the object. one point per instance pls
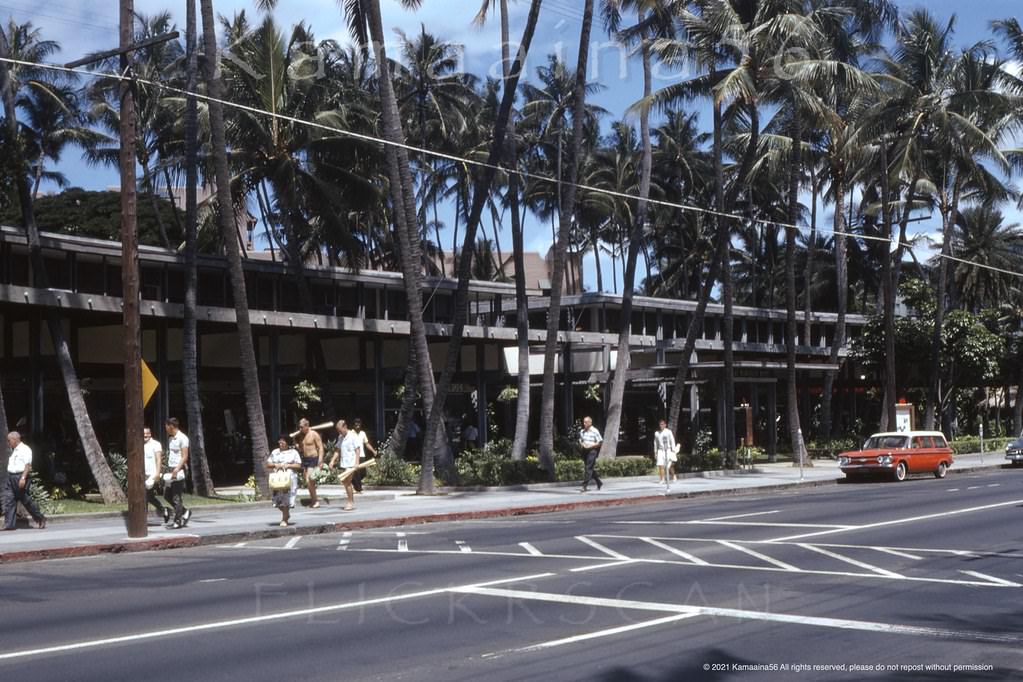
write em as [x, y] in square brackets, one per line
[285, 437]
[173, 421]
[356, 423]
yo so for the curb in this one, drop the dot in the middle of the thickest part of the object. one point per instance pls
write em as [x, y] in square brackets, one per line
[187, 541]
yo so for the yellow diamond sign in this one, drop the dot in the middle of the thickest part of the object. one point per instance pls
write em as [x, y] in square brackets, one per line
[149, 384]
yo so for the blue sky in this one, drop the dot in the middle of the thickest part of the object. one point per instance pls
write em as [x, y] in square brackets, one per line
[81, 28]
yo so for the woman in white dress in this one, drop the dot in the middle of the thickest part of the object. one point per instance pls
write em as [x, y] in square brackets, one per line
[665, 452]
[285, 458]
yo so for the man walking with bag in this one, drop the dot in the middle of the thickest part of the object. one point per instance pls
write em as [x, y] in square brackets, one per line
[153, 457]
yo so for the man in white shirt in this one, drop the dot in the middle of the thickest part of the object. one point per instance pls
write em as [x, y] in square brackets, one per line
[174, 481]
[153, 458]
[349, 449]
[367, 450]
[589, 447]
[19, 466]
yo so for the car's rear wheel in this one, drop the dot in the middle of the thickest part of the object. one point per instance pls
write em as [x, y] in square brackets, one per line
[941, 470]
[900, 471]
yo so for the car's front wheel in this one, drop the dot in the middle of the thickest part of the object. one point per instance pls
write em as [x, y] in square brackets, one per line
[941, 470]
[900, 471]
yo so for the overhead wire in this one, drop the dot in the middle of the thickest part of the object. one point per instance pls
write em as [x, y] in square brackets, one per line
[525, 175]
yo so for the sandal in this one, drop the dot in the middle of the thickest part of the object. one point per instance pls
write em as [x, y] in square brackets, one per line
[348, 507]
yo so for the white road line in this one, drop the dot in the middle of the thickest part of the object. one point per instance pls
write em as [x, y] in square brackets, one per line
[952, 490]
[346, 538]
[240, 544]
[764, 557]
[742, 516]
[973, 487]
[674, 550]
[600, 633]
[993, 485]
[910, 519]
[463, 547]
[225, 624]
[530, 548]
[997, 581]
[597, 546]
[887, 550]
[402, 542]
[768, 524]
[595, 567]
[791, 619]
[213, 580]
[854, 562]
[607, 561]
[290, 544]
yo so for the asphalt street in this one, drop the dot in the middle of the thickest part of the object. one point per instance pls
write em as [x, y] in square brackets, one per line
[918, 580]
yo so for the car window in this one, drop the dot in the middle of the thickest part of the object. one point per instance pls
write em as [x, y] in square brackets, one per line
[918, 443]
[939, 442]
[883, 442]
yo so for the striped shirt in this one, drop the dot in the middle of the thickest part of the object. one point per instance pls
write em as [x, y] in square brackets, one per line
[590, 436]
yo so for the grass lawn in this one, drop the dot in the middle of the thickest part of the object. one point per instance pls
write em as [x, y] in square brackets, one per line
[85, 506]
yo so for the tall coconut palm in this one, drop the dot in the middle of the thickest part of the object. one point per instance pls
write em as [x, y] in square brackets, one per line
[523, 384]
[228, 230]
[480, 197]
[29, 48]
[567, 212]
[654, 21]
[988, 250]
[53, 121]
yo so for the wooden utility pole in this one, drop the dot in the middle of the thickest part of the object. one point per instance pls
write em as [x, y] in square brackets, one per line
[133, 415]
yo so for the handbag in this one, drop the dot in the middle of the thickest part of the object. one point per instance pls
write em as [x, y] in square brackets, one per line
[673, 455]
[280, 479]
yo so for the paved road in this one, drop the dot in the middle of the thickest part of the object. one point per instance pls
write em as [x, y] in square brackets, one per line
[881, 575]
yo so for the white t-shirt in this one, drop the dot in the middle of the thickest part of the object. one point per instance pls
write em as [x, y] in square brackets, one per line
[175, 444]
[664, 441]
[21, 457]
[351, 450]
[151, 449]
[289, 456]
[471, 434]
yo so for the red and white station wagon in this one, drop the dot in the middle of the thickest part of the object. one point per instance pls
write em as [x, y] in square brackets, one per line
[899, 454]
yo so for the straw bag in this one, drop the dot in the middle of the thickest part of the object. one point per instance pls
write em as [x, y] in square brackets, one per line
[280, 479]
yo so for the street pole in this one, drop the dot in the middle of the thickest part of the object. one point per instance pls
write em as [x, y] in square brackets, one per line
[133, 414]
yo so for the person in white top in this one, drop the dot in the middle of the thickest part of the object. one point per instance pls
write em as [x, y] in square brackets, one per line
[285, 458]
[174, 480]
[349, 449]
[153, 457]
[665, 453]
[367, 450]
[19, 466]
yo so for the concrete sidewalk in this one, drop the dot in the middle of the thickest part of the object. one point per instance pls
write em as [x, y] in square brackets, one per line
[89, 534]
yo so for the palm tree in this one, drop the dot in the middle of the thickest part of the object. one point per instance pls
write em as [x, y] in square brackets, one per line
[198, 461]
[29, 48]
[654, 21]
[567, 209]
[988, 251]
[52, 121]
[521, 438]
[228, 231]
[480, 197]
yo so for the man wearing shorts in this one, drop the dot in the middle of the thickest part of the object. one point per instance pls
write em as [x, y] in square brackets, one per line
[349, 449]
[311, 448]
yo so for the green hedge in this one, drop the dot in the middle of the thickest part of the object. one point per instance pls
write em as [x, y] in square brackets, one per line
[968, 446]
[493, 467]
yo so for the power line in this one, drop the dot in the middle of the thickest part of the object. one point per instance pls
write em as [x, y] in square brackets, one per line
[526, 175]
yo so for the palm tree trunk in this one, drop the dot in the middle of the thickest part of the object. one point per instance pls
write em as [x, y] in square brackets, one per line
[108, 486]
[811, 255]
[409, 252]
[228, 227]
[888, 300]
[728, 296]
[721, 239]
[5, 448]
[948, 224]
[147, 182]
[612, 426]
[567, 210]
[842, 297]
[795, 431]
[596, 259]
[1017, 406]
[174, 206]
[197, 460]
[480, 196]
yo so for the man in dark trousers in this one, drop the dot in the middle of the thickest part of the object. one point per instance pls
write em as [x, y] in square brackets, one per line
[174, 480]
[19, 466]
[589, 446]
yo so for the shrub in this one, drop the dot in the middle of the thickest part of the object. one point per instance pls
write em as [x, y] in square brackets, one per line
[625, 466]
[969, 446]
[566, 469]
[119, 466]
[37, 490]
[392, 470]
[492, 466]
